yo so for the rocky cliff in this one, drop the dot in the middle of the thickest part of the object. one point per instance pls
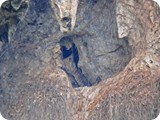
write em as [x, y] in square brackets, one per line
[79, 60]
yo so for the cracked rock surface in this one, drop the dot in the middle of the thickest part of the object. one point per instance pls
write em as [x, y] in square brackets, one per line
[79, 60]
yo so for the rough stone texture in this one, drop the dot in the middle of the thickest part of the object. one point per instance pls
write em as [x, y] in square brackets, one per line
[11, 13]
[113, 49]
[65, 11]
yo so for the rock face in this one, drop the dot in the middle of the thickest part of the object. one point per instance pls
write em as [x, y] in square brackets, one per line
[65, 11]
[79, 60]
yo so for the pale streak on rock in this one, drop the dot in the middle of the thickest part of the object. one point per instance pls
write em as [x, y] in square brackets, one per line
[66, 9]
[1, 44]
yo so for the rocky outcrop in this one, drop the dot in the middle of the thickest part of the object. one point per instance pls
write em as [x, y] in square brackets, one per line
[65, 12]
[99, 60]
[11, 13]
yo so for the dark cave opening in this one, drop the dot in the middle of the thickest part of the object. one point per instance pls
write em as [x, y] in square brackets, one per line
[65, 53]
[67, 22]
[4, 33]
[73, 51]
[70, 57]
[75, 54]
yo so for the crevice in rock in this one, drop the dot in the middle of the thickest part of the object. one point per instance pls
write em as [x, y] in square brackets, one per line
[65, 53]
[66, 22]
[70, 57]
[71, 52]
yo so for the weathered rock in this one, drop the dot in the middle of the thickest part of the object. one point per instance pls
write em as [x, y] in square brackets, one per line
[1, 46]
[106, 67]
[65, 11]
[9, 19]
